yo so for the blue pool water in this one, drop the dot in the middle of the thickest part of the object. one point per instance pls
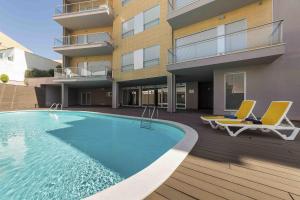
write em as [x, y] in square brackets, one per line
[72, 155]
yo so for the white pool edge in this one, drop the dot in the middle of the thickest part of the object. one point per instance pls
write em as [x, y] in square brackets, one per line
[143, 183]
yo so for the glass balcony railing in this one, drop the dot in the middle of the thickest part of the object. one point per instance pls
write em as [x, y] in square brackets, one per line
[252, 38]
[85, 72]
[177, 4]
[84, 6]
[84, 39]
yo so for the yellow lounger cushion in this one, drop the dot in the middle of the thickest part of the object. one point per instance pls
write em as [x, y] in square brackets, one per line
[245, 108]
[275, 112]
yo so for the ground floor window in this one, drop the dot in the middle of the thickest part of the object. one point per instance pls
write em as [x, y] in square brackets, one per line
[235, 90]
[86, 98]
[181, 96]
[131, 96]
[153, 95]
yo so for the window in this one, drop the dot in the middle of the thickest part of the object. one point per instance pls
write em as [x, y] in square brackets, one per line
[198, 45]
[10, 58]
[235, 90]
[125, 2]
[181, 96]
[128, 28]
[236, 36]
[151, 17]
[151, 56]
[127, 62]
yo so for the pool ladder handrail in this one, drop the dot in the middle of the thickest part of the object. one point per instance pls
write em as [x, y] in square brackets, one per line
[148, 119]
[55, 107]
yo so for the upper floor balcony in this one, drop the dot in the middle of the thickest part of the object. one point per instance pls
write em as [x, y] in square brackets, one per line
[185, 12]
[84, 45]
[84, 14]
[96, 72]
[254, 46]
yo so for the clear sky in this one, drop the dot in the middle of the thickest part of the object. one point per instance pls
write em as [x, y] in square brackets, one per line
[30, 23]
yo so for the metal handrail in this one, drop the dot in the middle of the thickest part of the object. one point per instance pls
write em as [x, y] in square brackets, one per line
[150, 116]
[55, 106]
[173, 51]
[71, 40]
[174, 7]
[71, 72]
[92, 4]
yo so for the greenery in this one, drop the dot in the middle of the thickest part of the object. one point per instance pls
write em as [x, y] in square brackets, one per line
[4, 78]
[39, 73]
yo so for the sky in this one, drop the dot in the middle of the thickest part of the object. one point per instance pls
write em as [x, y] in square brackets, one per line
[30, 23]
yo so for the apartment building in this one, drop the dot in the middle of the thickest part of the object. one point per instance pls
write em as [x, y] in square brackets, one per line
[179, 54]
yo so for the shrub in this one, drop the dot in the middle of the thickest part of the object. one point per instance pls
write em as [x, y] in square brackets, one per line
[39, 73]
[4, 78]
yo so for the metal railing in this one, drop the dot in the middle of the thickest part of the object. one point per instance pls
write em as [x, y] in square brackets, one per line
[177, 4]
[146, 122]
[77, 72]
[84, 6]
[83, 39]
[247, 39]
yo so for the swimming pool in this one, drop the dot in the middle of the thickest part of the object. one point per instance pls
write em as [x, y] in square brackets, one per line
[73, 155]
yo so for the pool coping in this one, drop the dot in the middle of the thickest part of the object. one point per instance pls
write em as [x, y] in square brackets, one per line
[146, 181]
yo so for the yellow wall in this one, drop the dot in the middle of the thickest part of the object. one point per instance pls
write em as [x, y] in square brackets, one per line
[156, 35]
[92, 30]
[74, 61]
[256, 14]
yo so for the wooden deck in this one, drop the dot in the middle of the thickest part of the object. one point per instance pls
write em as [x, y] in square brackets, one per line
[251, 166]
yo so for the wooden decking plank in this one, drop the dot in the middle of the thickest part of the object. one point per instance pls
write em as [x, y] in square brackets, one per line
[209, 187]
[191, 190]
[263, 181]
[272, 171]
[238, 180]
[265, 175]
[295, 197]
[156, 196]
[173, 194]
[253, 193]
[232, 154]
[294, 173]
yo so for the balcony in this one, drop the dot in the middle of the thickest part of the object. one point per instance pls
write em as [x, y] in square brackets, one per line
[259, 45]
[95, 74]
[185, 12]
[84, 15]
[84, 45]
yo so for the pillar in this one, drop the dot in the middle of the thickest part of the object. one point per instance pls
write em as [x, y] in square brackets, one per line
[115, 95]
[64, 95]
[171, 93]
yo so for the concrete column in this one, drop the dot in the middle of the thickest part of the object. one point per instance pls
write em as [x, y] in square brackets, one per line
[115, 95]
[64, 95]
[171, 93]
[140, 96]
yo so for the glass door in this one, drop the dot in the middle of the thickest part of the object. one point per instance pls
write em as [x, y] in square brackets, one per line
[82, 69]
[86, 99]
[236, 36]
[131, 97]
[148, 97]
[163, 97]
[181, 96]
